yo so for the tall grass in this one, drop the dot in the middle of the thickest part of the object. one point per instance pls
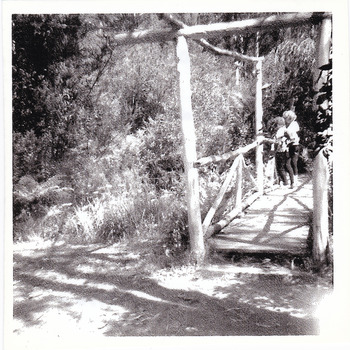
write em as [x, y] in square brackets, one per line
[106, 204]
[139, 212]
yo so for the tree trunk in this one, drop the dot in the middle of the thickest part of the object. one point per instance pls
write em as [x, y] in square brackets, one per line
[189, 153]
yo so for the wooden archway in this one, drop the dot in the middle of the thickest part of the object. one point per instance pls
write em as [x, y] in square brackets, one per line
[199, 33]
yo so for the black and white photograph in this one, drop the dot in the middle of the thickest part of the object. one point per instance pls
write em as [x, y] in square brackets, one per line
[174, 173]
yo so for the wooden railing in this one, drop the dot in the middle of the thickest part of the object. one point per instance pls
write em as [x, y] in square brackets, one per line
[226, 156]
[235, 173]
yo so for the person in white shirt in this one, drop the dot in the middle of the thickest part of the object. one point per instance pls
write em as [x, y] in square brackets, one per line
[293, 144]
[281, 156]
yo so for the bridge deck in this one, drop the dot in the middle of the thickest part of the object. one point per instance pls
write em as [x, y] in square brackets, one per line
[278, 222]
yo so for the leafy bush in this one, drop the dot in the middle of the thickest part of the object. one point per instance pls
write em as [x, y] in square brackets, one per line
[160, 152]
[221, 109]
[289, 71]
[33, 202]
[26, 155]
[139, 212]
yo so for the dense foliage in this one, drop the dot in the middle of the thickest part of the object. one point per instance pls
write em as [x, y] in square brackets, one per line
[96, 129]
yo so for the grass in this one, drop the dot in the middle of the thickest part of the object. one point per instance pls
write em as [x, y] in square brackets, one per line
[124, 208]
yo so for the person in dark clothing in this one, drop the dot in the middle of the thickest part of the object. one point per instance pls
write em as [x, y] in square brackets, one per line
[282, 154]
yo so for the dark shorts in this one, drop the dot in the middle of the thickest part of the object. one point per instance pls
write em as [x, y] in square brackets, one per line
[294, 150]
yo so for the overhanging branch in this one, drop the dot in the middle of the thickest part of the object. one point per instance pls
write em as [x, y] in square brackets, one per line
[204, 43]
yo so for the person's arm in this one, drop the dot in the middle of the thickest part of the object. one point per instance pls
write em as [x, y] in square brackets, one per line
[288, 134]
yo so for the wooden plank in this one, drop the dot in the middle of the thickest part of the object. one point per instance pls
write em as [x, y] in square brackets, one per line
[276, 223]
[189, 153]
[220, 29]
[230, 216]
[221, 193]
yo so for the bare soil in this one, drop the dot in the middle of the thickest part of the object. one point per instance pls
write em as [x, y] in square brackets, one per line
[97, 290]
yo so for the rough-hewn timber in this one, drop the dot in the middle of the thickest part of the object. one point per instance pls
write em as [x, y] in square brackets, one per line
[189, 152]
[228, 155]
[204, 43]
[219, 29]
[278, 222]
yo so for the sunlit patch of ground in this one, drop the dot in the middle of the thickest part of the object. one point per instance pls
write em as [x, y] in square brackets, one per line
[69, 291]
[276, 289]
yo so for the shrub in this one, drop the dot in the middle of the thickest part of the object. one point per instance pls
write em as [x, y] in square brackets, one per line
[141, 212]
[160, 152]
[34, 202]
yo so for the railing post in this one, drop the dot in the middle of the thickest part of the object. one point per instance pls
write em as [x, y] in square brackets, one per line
[189, 154]
[320, 209]
[258, 128]
[239, 182]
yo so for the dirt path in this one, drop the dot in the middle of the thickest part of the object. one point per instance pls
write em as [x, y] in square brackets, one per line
[72, 291]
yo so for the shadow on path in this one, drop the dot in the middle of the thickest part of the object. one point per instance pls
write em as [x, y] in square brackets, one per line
[109, 291]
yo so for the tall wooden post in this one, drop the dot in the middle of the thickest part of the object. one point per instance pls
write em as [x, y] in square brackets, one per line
[322, 53]
[320, 168]
[239, 184]
[320, 209]
[189, 152]
[258, 128]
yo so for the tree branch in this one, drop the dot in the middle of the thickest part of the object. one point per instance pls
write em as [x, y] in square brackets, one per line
[204, 43]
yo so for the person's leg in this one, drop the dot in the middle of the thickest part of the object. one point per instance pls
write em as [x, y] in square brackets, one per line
[294, 154]
[288, 165]
[280, 167]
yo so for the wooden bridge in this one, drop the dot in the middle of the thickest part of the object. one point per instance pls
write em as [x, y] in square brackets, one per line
[264, 219]
[267, 219]
[278, 222]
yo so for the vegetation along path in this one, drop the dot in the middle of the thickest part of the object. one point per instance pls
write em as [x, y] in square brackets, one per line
[72, 290]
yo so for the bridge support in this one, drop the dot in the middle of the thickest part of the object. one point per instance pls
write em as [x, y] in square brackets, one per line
[320, 212]
[189, 153]
[258, 128]
[323, 48]
[320, 168]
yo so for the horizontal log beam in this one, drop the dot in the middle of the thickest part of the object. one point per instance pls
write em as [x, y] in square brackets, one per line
[204, 43]
[213, 229]
[224, 28]
[226, 156]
